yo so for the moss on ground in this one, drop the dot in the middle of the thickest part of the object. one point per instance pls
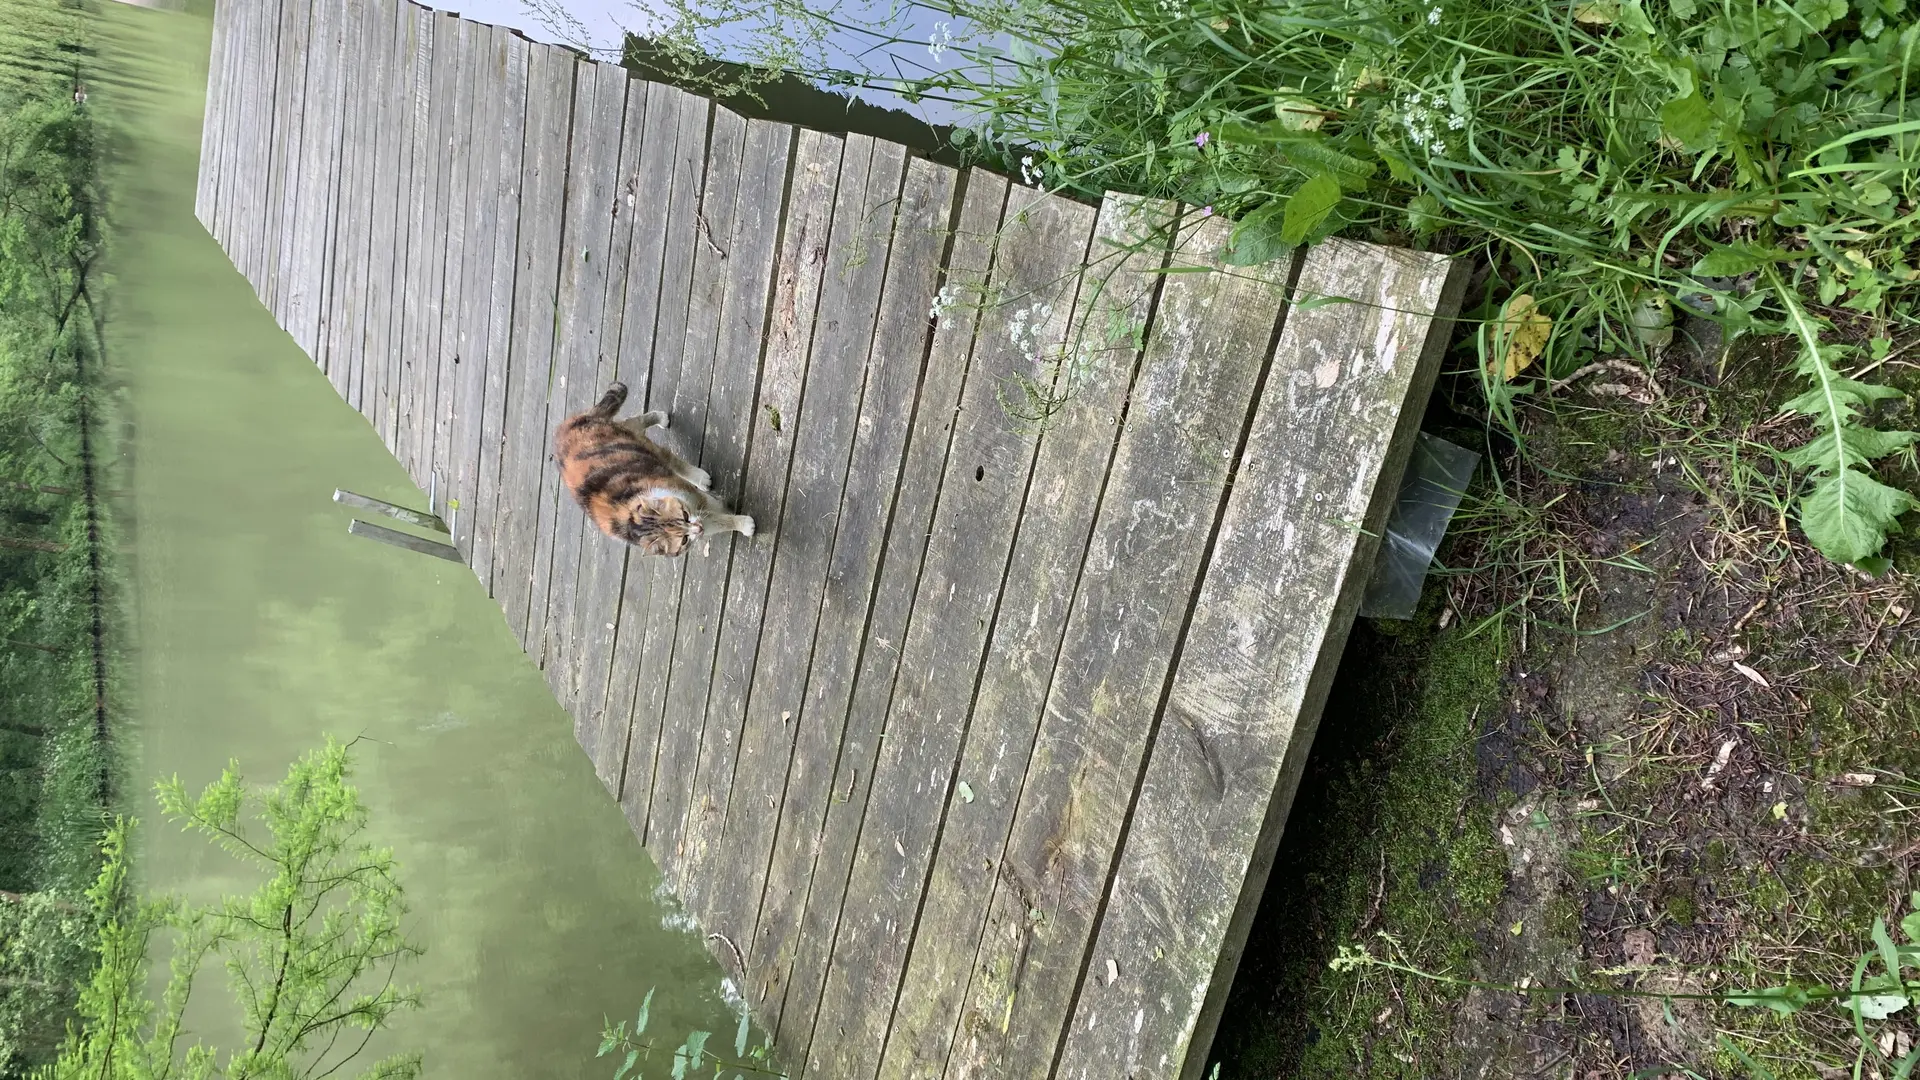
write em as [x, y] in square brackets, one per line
[1389, 834]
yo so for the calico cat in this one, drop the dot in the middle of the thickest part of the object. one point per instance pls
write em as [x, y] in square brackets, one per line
[633, 488]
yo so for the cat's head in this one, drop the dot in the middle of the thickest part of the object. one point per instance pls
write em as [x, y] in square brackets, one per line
[660, 526]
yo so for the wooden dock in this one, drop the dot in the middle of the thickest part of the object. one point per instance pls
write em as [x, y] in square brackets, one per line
[973, 762]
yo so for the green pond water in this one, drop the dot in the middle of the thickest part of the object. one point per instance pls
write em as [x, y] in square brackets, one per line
[262, 627]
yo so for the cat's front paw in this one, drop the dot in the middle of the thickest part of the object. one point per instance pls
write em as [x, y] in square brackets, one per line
[746, 525]
[700, 478]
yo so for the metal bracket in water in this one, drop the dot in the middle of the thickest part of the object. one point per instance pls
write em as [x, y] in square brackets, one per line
[396, 538]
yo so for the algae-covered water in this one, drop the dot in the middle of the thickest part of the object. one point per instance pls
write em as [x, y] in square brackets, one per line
[262, 627]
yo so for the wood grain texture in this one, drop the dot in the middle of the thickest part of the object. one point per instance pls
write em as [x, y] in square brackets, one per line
[343, 285]
[608, 727]
[433, 51]
[255, 141]
[460, 452]
[1322, 460]
[599, 109]
[684, 400]
[213, 128]
[807, 880]
[1208, 344]
[888, 407]
[511, 140]
[682, 674]
[988, 469]
[603, 562]
[281, 150]
[312, 189]
[387, 243]
[523, 455]
[787, 339]
[446, 111]
[855, 263]
[1091, 368]
[444, 377]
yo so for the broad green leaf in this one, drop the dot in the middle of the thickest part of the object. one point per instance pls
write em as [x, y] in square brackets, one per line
[627, 1065]
[1690, 120]
[1785, 1000]
[1849, 445]
[1736, 259]
[1308, 208]
[1848, 515]
[1257, 238]
[646, 1006]
[740, 1037]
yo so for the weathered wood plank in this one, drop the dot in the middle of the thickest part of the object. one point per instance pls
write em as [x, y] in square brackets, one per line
[654, 631]
[309, 187]
[601, 577]
[354, 303]
[1321, 465]
[392, 196]
[682, 694]
[481, 201]
[599, 105]
[289, 100]
[427, 294]
[418, 518]
[254, 141]
[1092, 368]
[652, 187]
[406, 541]
[409, 272]
[446, 381]
[511, 140]
[745, 227]
[213, 115]
[855, 257]
[804, 233]
[523, 456]
[1197, 377]
[987, 474]
[794, 938]
[341, 292]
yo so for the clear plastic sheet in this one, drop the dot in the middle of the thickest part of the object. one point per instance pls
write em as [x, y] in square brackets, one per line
[1430, 492]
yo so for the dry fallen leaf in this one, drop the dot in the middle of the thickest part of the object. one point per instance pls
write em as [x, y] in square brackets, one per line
[1856, 779]
[1522, 332]
[1752, 675]
[1596, 13]
[1113, 972]
[1719, 762]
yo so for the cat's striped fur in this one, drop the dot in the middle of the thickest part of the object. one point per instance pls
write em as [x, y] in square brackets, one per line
[634, 488]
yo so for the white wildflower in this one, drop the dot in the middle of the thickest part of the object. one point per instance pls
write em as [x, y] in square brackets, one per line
[938, 41]
[1456, 122]
[1433, 16]
[941, 303]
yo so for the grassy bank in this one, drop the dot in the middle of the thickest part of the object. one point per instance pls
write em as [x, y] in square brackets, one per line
[55, 539]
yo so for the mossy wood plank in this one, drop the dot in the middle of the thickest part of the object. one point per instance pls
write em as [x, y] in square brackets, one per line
[511, 136]
[651, 187]
[1321, 465]
[523, 456]
[1094, 360]
[794, 937]
[985, 485]
[854, 257]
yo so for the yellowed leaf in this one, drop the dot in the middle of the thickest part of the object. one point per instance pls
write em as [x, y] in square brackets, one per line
[1522, 335]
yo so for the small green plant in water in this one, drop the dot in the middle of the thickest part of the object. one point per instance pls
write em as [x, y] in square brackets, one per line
[311, 955]
[690, 1058]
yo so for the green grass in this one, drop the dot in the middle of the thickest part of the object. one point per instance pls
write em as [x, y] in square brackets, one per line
[1614, 161]
[55, 769]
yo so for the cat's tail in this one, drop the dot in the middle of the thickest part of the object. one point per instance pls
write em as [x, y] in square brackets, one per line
[611, 401]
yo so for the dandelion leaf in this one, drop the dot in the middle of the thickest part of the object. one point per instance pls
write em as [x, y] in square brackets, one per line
[1848, 514]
